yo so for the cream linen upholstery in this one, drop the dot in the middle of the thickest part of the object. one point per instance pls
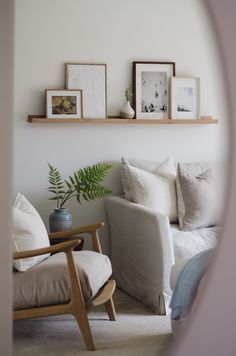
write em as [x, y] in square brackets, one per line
[199, 196]
[28, 233]
[48, 283]
[151, 184]
[142, 252]
[188, 243]
[144, 247]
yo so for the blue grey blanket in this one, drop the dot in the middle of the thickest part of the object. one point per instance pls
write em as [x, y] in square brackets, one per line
[187, 284]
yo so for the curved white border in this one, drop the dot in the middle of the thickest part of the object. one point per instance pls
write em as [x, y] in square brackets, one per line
[212, 330]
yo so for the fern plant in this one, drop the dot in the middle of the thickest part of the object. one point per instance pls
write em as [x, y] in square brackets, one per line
[85, 183]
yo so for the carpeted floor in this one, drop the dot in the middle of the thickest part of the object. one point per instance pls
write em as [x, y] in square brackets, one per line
[136, 332]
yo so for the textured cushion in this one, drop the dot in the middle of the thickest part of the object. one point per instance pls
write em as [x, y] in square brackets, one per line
[148, 166]
[48, 283]
[154, 189]
[28, 232]
[198, 203]
[186, 244]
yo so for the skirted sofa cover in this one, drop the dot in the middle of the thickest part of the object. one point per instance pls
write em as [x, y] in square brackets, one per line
[148, 238]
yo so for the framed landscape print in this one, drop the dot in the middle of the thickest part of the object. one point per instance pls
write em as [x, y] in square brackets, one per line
[92, 79]
[151, 89]
[64, 104]
[185, 94]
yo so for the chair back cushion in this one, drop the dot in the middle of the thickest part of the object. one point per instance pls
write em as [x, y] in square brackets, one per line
[48, 283]
[28, 233]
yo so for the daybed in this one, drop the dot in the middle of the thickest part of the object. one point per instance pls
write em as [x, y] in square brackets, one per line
[168, 212]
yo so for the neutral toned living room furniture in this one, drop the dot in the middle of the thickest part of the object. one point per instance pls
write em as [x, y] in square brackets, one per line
[146, 243]
[65, 282]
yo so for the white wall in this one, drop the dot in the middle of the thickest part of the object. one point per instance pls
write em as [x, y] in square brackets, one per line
[49, 33]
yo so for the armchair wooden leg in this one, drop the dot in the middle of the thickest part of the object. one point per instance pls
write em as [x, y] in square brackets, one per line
[82, 319]
[110, 308]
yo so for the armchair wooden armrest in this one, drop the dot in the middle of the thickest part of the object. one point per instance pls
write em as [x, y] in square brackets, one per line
[77, 305]
[89, 229]
[61, 247]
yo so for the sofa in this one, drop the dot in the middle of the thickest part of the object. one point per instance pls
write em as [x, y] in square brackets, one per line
[167, 212]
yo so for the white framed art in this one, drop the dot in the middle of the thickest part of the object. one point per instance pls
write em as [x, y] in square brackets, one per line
[92, 79]
[185, 98]
[64, 104]
[151, 83]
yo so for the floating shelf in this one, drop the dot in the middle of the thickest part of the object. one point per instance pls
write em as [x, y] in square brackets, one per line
[111, 120]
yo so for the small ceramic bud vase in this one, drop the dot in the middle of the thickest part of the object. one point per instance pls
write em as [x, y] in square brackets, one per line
[127, 112]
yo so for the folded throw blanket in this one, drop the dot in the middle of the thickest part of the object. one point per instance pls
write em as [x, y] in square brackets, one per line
[187, 284]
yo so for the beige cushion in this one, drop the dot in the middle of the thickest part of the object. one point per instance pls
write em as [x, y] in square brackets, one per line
[48, 282]
[198, 204]
[148, 166]
[187, 244]
[28, 233]
[153, 189]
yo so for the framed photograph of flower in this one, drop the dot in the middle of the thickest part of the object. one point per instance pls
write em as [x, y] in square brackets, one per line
[185, 102]
[64, 104]
[151, 85]
[92, 79]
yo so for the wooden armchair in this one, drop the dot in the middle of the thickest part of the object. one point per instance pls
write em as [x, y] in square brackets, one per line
[77, 305]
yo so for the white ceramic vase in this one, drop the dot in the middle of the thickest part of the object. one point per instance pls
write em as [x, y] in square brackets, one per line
[127, 112]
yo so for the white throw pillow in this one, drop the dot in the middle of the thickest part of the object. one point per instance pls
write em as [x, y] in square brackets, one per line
[155, 190]
[148, 166]
[28, 233]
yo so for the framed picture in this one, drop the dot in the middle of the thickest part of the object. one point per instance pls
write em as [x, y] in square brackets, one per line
[92, 79]
[64, 104]
[185, 94]
[151, 89]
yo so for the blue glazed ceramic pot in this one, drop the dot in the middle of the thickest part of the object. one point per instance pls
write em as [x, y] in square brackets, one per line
[60, 220]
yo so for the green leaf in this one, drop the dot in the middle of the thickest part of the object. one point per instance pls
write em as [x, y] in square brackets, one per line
[85, 183]
[69, 185]
[57, 184]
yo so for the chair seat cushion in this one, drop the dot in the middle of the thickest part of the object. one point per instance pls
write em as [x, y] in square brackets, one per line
[48, 283]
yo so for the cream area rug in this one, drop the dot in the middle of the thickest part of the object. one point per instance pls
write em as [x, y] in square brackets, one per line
[137, 331]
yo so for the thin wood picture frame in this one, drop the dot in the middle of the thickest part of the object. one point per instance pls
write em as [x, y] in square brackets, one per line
[185, 98]
[151, 89]
[64, 104]
[92, 79]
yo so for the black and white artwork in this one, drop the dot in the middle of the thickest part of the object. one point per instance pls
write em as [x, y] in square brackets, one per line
[151, 89]
[154, 92]
[185, 98]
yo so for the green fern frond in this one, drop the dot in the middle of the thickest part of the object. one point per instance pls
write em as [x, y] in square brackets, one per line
[95, 192]
[85, 183]
[57, 184]
[93, 174]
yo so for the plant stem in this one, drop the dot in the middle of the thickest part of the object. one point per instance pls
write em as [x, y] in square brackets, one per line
[66, 197]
